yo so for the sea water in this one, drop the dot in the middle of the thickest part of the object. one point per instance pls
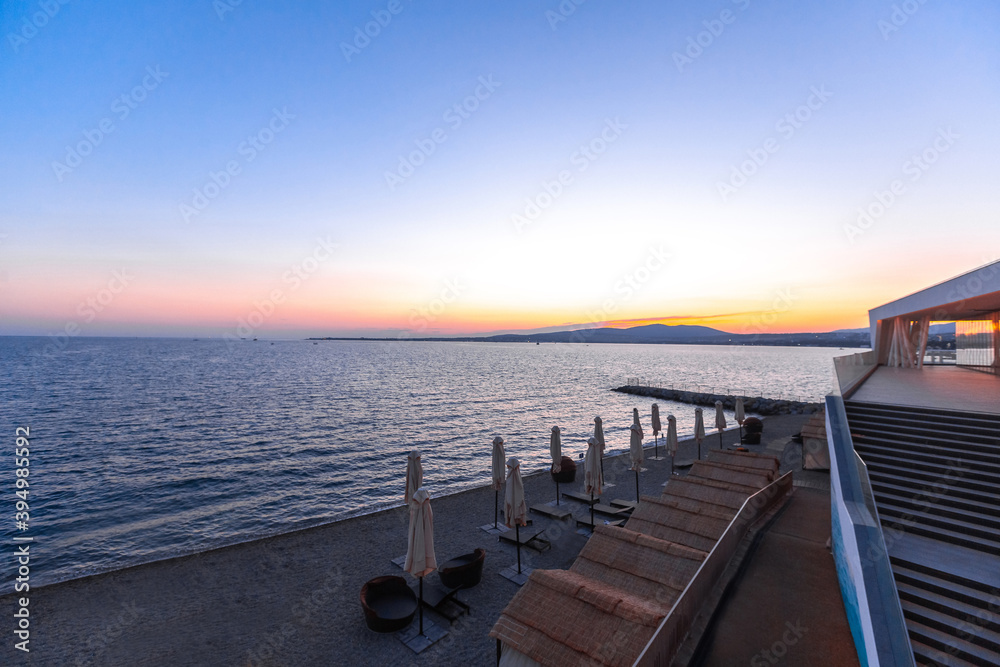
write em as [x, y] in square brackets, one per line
[143, 449]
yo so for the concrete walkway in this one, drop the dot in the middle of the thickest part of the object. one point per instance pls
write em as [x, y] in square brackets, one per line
[785, 608]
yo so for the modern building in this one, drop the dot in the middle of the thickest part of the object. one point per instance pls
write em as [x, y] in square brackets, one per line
[914, 439]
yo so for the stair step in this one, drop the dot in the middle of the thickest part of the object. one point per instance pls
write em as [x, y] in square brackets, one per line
[941, 494]
[968, 630]
[931, 657]
[983, 419]
[936, 532]
[927, 428]
[968, 489]
[982, 462]
[972, 593]
[958, 474]
[919, 504]
[936, 447]
[960, 648]
[959, 610]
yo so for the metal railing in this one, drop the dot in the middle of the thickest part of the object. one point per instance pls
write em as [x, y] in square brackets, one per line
[674, 628]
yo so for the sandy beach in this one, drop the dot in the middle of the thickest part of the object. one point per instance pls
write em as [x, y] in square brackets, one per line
[294, 599]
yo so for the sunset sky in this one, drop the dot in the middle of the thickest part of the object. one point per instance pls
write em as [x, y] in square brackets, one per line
[377, 168]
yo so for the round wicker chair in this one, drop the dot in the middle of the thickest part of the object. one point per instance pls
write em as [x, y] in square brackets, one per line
[464, 571]
[388, 603]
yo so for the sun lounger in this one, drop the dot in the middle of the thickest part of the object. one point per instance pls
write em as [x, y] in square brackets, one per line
[532, 541]
[442, 599]
[582, 497]
[550, 511]
[612, 510]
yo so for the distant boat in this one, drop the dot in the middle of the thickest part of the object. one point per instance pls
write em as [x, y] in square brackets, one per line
[537, 343]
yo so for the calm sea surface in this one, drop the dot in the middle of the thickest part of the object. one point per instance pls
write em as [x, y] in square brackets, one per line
[142, 449]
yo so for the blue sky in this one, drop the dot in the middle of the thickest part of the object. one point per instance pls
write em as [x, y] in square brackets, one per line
[890, 84]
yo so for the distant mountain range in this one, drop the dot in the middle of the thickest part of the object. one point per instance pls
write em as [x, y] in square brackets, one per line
[662, 334]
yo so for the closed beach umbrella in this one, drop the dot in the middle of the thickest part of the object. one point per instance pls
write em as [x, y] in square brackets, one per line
[592, 474]
[420, 559]
[414, 475]
[699, 429]
[672, 439]
[740, 416]
[637, 423]
[498, 474]
[635, 453]
[599, 437]
[555, 449]
[515, 512]
[720, 420]
[657, 427]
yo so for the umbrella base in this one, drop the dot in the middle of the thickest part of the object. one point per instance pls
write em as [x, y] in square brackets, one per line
[499, 530]
[511, 574]
[417, 642]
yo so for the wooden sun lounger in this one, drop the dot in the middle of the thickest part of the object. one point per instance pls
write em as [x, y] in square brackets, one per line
[582, 497]
[630, 504]
[611, 510]
[442, 599]
[584, 522]
[548, 510]
[532, 541]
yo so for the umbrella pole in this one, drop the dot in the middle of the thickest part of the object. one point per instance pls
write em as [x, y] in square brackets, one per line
[720, 438]
[496, 506]
[421, 604]
[741, 435]
[557, 492]
[517, 537]
[656, 451]
[636, 486]
[592, 509]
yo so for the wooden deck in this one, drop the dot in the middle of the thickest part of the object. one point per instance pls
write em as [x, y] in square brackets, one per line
[937, 387]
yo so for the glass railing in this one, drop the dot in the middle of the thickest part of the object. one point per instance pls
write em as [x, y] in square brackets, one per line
[863, 570]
